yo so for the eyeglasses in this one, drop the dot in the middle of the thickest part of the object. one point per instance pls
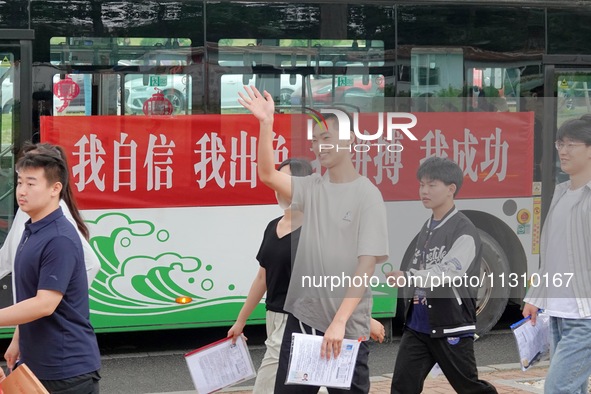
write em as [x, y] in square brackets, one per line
[569, 147]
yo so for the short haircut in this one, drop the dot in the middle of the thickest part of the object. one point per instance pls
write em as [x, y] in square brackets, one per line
[43, 147]
[297, 167]
[54, 167]
[66, 194]
[440, 169]
[330, 117]
[576, 129]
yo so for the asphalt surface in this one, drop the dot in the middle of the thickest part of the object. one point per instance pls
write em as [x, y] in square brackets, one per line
[152, 362]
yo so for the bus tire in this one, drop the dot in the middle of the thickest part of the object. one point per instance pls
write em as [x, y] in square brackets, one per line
[492, 296]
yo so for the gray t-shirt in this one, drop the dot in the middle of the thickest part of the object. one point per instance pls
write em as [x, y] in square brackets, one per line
[342, 221]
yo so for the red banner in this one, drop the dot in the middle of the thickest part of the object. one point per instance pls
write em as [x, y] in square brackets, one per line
[210, 160]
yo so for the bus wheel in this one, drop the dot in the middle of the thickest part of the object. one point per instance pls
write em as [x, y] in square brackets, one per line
[492, 295]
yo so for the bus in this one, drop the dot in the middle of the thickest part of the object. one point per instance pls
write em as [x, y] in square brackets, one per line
[143, 96]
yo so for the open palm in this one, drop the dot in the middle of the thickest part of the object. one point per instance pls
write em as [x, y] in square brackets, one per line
[261, 105]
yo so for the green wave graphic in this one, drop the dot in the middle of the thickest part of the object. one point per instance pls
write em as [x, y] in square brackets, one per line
[143, 285]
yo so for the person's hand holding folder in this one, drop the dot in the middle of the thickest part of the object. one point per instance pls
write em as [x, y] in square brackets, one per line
[532, 340]
[530, 311]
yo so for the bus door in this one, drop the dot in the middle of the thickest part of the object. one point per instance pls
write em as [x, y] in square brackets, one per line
[567, 92]
[15, 127]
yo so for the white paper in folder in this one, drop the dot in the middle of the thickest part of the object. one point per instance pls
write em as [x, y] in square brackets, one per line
[220, 364]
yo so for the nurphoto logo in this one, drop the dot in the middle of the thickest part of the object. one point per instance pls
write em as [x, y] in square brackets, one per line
[392, 121]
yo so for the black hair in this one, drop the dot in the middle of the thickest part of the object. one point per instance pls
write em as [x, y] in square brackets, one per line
[54, 167]
[59, 155]
[576, 129]
[441, 169]
[297, 167]
[329, 116]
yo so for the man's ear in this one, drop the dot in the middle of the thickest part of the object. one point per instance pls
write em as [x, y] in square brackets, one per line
[351, 137]
[56, 189]
[452, 188]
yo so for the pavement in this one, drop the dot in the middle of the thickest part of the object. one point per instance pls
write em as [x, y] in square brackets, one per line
[507, 378]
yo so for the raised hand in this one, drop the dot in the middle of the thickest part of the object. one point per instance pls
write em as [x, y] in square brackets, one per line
[261, 105]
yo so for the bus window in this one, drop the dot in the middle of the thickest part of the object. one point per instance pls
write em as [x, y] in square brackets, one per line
[146, 55]
[6, 94]
[137, 51]
[295, 52]
[78, 94]
[327, 71]
[231, 84]
[352, 90]
[141, 87]
[573, 100]
[7, 133]
[487, 89]
[109, 94]
[72, 94]
[436, 79]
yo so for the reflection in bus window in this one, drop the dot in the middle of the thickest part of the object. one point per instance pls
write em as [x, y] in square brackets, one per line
[73, 94]
[231, 84]
[321, 62]
[6, 94]
[436, 79]
[297, 52]
[141, 87]
[137, 51]
[357, 91]
[573, 90]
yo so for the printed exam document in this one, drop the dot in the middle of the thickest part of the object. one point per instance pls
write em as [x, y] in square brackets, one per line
[306, 366]
[533, 342]
[220, 365]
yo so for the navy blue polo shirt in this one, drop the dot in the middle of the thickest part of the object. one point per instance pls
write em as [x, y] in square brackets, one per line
[50, 257]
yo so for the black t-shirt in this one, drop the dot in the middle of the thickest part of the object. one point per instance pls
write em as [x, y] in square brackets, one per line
[276, 256]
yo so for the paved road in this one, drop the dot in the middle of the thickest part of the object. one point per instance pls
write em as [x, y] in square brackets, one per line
[152, 362]
[165, 370]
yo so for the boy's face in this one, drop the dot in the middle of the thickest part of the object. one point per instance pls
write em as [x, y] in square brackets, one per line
[34, 193]
[435, 193]
[325, 143]
[575, 156]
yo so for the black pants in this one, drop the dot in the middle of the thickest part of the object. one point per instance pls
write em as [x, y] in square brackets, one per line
[360, 383]
[82, 384]
[418, 353]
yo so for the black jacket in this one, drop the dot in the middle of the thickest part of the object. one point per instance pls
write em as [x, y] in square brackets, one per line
[451, 254]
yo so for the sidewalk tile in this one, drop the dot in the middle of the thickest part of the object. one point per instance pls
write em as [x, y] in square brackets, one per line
[505, 379]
